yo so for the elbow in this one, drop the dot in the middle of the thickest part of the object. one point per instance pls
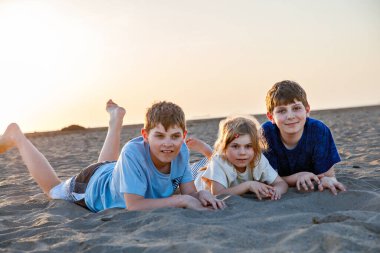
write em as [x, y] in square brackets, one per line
[132, 207]
[286, 187]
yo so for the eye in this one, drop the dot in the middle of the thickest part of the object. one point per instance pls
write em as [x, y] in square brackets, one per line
[248, 146]
[159, 136]
[297, 108]
[234, 146]
[176, 136]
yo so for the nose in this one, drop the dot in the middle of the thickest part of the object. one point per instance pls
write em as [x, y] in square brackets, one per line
[290, 114]
[168, 143]
[241, 151]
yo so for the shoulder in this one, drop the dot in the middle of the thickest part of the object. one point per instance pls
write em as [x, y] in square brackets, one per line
[264, 171]
[316, 126]
[135, 142]
[271, 136]
[315, 122]
[268, 126]
[220, 170]
[263, 163]
[219, 164]
[134, 147]
[268, 131]
[217, 159]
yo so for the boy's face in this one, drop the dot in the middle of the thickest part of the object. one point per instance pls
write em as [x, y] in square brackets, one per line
[290, 118]
[164, 145]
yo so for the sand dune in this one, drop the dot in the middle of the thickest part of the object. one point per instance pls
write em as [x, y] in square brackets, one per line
[299, 222]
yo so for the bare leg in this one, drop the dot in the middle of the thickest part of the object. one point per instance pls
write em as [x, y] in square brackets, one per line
[39, 168]
[199, 146]
[111, 146]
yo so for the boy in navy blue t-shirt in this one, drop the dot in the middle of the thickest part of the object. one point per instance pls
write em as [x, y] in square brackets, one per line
[301, 149]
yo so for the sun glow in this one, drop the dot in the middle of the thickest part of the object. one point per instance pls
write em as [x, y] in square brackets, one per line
[60, 61]
[42, 55]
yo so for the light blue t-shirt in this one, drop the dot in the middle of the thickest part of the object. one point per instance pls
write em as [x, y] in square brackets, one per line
[135, 173]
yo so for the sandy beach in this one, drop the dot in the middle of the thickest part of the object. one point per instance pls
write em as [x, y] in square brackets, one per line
[299, 222]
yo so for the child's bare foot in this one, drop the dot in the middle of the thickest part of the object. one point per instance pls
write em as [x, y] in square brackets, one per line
[199, 146]
[7, 140]
[116, 113]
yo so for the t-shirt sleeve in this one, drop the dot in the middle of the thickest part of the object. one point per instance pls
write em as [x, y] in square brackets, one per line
[266, 173]
[325, 153]
[215, 172]
[132, 180]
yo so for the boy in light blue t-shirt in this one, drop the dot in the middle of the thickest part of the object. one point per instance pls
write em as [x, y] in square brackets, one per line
[148, 171]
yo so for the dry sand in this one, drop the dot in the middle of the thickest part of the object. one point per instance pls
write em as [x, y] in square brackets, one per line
[299, 222]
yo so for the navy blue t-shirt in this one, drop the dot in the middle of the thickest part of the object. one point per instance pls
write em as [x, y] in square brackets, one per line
[315, 152]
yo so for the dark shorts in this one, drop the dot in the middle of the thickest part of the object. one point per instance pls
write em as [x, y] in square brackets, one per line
[81, 180]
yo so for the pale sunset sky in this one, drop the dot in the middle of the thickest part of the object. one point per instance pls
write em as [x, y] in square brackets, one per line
[61, 60]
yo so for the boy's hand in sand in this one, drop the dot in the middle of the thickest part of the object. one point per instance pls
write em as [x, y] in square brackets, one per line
[196, 204]
[304, 179]
[332, 184]
[260, 189]
[210, 201]
[192, 203]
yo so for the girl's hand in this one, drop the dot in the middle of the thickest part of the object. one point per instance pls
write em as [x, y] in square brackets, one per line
[275, 194]
[305, 179]
[260, 189]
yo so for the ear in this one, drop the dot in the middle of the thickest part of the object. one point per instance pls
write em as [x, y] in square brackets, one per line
[144, 134]
[270, 117]
[184, 135]
[308, 111]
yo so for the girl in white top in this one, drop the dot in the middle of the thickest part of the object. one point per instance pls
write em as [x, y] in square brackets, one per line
[237, 165]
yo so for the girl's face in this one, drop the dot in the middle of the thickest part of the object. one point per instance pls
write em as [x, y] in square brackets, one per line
[240, 152]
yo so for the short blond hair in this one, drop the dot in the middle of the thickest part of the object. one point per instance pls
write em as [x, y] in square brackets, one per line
[166, 113]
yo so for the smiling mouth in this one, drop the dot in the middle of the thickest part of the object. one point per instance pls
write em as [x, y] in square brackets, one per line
[167, 151]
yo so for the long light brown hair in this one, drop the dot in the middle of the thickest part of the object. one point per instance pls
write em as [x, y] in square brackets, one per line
[234, 126]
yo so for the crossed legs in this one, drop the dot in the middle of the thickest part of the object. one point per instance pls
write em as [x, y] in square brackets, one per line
[111, 146]
[37, 164]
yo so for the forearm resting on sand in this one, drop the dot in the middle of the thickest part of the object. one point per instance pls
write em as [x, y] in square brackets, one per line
[302, 179]
[208, 200]
[280, 187]
[260, 189]
[136, 202]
